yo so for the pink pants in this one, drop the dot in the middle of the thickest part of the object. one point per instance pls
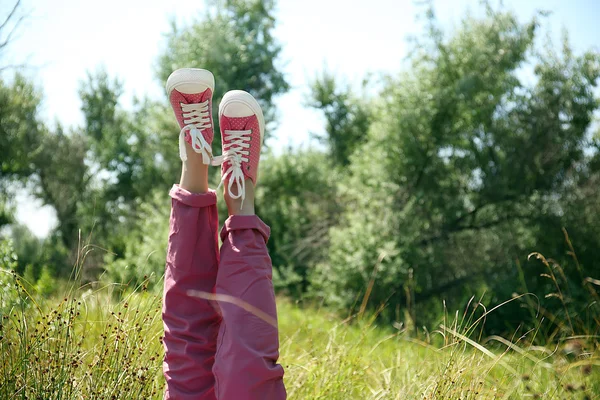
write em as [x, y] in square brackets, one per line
[218, 351]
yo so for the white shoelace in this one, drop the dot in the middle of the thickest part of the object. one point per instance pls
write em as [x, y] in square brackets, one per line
[196, 117]
[235, 151]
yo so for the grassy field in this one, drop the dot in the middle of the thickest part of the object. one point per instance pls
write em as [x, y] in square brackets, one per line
[87, 346]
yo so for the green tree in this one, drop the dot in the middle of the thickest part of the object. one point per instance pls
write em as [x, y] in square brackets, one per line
[20, 128]
[470, 162]
[144, 246]
[9, 292]
[127, 160]
[122, 143]
[61, 179]
[347, 116]
[297, 197]
[28, 249]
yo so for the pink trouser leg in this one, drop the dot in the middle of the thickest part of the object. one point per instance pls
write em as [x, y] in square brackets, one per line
[246, 362]
[191, 324]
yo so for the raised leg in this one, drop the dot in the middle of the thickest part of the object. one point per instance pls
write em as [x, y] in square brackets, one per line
[191, 324]
[246, 363]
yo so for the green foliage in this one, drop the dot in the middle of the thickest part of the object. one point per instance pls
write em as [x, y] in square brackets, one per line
[8, 258]
[20, 129]
[470, 165]
[46, 284]
[347, 117]
[6, 212]
[28, 249]
[51, 163]
[122, 143]
[297, 198]
[39, 261]
[144, 254]
[61, 179]
[10, 293]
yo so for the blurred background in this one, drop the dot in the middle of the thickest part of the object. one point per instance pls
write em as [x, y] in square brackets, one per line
[417, 152]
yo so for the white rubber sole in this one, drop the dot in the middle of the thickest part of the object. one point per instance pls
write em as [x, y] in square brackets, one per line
[240, 96]
[189, 78]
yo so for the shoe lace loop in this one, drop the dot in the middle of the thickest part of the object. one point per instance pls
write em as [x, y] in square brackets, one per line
[195, 117]
[235, 150]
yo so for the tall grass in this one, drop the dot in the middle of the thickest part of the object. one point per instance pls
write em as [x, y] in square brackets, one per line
[86, 344]
[82, 346]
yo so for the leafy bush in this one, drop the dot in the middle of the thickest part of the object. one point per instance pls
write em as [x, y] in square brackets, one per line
[145, 246]
[297, 198]
[465, 170]
[11, 289]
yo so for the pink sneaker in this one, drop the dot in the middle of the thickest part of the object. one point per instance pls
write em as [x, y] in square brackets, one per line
[242, 130]
[190, 92]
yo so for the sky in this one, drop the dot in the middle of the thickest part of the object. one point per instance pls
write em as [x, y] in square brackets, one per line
[61, 40]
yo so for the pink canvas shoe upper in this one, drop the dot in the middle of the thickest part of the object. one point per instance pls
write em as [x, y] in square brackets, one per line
[230, 128]
[242, 127]
[194, 122]
[190, 93]
[178, 98]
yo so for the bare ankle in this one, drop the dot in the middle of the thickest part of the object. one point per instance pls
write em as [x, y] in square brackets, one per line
[194, 175]
[239, 206]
